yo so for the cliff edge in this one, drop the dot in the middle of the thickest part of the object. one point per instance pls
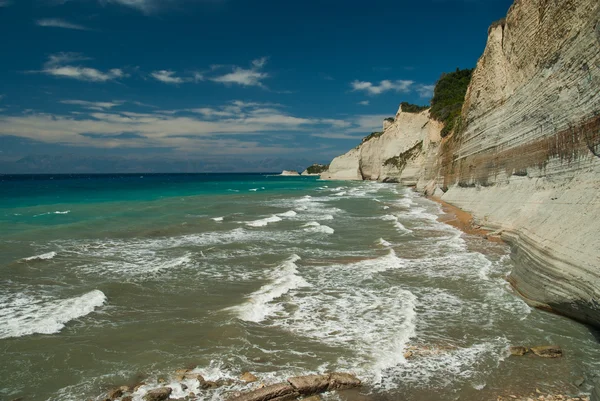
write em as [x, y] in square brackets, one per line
[525, 155]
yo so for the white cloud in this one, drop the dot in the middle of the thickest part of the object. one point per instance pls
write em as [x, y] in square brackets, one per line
[167, 77]
[65, 58]
[211, 113]
[242, 77]
[85, 74]
[59, 23]
[183, 129]
[384, 86]
[260, 62]
[58, 66]
[145, 6]
[364, 103]
[93, 105]
[245, 77]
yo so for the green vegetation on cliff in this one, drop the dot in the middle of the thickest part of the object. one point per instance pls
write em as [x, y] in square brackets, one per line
[371, 136]
[400, 161]
[412, 108]
[448, 98]
[317, 168]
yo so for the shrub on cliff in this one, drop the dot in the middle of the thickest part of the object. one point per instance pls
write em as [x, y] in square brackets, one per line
[448, 98]
[371, 136]
[317, 168]
[412, 108]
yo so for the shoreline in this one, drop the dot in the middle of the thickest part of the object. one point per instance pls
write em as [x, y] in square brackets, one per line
[464, 221]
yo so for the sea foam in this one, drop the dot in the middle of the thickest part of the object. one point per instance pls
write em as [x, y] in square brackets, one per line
[44, 256]
[260, 303]
[23, 315]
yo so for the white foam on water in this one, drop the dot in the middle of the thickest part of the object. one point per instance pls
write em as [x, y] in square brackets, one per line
[253, 190]
[22, 315]
[383, 242]
[446, 367]
[260, 303]
[386, 207]
[217, 219]
[44, 256]
[264, 222]
[56, 212]
[315, 227]
[340, 311]
[289, 213]
[399, 226]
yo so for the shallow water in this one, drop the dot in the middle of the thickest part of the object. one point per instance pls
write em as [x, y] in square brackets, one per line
[109, 280]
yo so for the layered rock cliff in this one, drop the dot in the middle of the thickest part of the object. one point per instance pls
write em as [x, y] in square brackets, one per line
[526, 156]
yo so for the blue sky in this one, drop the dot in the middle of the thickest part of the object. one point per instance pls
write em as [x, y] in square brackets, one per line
[210, 79]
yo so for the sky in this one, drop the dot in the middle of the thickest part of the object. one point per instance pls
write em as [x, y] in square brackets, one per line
[222, 80]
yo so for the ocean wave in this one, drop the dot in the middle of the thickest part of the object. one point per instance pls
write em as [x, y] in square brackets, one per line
[399, 226]
[217, 219]
[259, 305]
[24, 315]
[383, 242]
[316, 227]
[289, 213]
[44, 256]
[263, 222]
[56, 212]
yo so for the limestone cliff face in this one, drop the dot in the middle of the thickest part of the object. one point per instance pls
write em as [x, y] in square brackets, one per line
[526, 159]
[381, 158]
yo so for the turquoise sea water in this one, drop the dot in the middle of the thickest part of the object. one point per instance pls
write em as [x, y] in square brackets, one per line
[116, 279]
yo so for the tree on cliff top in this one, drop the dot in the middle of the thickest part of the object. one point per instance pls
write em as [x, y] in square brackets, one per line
[448, 98]
[412, 108]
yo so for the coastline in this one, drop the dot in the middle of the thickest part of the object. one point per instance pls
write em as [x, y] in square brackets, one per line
[463, 220]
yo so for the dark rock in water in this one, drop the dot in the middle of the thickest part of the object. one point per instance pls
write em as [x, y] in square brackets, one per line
[275, 392]
[311, 384]
[128, 398]
[313, 398]
[548, 351]
[115, 393]
[300, 385]
[160, 394]
[342, 381]
[518, 351]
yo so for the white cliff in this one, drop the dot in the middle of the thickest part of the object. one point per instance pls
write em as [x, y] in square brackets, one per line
[526, 158]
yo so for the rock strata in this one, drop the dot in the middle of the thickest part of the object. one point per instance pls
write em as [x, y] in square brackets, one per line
[300, 385]
[524, 159]
[551, 351]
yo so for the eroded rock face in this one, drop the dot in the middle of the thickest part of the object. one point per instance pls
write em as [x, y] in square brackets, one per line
[374, 158]
[548, 351]
[518, 351]
[527, 157]
[160, 394]
[300, 386]
[274, 392]
[311, 384]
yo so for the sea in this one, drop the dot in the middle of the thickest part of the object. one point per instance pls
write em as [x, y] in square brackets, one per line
[111, 280]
